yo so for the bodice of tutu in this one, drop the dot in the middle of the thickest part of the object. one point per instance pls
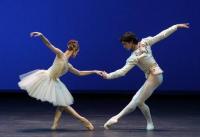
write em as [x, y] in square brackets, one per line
[59, 67]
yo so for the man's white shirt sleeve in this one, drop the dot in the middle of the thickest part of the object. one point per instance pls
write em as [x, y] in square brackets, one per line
[130, 63]
[162, 35]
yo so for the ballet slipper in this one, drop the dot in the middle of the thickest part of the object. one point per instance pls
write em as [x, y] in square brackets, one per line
[150, 126]
[110, 122]
[54, 126]
[87, 124]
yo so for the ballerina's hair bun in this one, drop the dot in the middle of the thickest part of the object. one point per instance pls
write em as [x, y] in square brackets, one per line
[73, 45]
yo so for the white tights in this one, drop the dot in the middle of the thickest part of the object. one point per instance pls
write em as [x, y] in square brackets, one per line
[139, 99]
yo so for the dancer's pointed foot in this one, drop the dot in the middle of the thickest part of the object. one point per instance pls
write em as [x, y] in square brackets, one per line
[110, 122]
[150, 126]
[87, 123]
[54, 126]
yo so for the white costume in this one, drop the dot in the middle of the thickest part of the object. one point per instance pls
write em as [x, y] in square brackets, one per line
[153, 74]
[45, 85]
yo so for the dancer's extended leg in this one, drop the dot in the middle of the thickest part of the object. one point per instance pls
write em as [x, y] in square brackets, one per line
[139, 98]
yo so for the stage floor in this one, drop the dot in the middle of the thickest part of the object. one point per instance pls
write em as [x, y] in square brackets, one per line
[173, 116]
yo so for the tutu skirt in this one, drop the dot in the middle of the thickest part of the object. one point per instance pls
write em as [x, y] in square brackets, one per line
[41, 86]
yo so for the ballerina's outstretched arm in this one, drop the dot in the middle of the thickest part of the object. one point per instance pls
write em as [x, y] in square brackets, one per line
[164, 34]
[46, 42]
[83, 73]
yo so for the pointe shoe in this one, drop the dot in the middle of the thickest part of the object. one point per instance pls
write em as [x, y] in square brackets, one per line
[54, 126]
[150, 126]
[87, 124]
[110, 122]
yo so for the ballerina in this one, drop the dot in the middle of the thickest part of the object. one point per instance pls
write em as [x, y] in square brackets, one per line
[150, 67]
[45, 85]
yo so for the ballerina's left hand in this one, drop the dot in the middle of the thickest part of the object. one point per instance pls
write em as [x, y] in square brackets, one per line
[35, 34]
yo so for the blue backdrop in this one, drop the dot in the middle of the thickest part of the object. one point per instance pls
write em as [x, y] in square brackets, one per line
[97, 25]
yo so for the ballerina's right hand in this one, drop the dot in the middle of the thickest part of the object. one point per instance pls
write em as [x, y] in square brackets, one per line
[98, 72]
[35, 34]
[105, 75]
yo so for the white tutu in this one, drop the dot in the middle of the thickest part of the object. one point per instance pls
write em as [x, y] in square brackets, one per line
[41, 86]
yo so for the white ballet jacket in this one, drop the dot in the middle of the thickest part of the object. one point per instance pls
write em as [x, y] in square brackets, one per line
[146, 63]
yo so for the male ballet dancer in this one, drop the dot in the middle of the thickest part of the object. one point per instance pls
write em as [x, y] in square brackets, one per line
[150, 67]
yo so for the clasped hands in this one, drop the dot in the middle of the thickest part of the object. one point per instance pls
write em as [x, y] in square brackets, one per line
[103, 74]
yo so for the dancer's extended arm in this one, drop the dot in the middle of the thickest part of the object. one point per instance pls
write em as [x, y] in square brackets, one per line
[46, 42]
